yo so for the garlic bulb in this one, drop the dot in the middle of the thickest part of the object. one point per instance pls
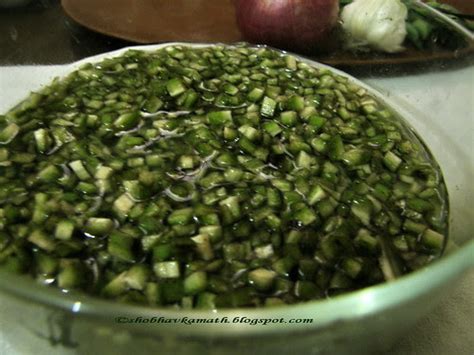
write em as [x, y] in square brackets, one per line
[379, 24]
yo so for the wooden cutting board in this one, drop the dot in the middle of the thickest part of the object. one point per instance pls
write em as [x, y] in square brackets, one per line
[155, 21]
[152, 21]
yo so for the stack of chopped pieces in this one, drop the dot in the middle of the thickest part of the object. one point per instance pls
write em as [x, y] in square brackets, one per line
[213, 177]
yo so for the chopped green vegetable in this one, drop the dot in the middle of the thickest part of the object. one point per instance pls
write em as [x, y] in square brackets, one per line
[167, 269]
[213, 177]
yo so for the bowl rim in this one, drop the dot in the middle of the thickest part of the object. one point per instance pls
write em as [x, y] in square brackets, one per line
[352, 305]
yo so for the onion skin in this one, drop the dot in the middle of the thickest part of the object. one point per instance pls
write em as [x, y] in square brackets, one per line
[301, 25]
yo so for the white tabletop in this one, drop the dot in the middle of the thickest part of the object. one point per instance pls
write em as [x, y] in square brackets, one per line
[442, 102]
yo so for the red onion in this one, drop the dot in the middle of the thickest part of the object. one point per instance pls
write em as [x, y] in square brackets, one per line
[302, 25]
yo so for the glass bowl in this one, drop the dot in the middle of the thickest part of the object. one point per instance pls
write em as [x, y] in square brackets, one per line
[371, 319]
